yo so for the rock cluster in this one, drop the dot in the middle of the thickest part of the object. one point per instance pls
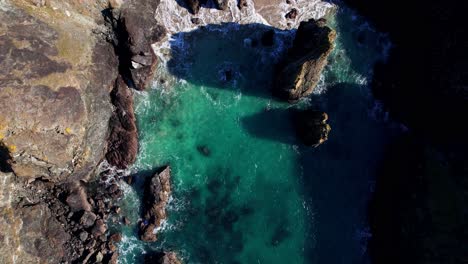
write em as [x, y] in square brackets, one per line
[299, 73]
[162, 258]
[156, 196]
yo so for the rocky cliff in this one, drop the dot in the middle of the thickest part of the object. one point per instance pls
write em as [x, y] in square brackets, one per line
[65, 72]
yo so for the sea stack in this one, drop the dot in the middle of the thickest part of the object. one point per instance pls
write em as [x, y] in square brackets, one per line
[299, 73]
[156, 196]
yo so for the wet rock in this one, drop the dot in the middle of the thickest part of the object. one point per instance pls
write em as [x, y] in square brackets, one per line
[126, 221]
[311, 127]
[155, 200]
[204, 150]
[115, 238]
[162, 258]
[292, 14]
[88, 219]
[299, 73]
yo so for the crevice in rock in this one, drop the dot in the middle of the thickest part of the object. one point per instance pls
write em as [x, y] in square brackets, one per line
[5, 159]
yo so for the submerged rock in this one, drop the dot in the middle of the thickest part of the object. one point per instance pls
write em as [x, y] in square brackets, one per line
[299, 73]
[311, 127]
[156, 196]
[162, 258]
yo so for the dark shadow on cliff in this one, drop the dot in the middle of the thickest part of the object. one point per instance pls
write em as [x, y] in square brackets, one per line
[229, 56]
[5, 159]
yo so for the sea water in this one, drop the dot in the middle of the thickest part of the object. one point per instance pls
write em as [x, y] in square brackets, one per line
[245, 190]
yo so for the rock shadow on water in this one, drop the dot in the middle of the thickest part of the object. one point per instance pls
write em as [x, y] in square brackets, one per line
[274, 124]
[230, 56]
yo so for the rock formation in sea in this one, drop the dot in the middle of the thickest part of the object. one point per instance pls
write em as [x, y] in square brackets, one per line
[64, 72]
[311, 127]
[417, 214]
[299, 73]
[156, 197]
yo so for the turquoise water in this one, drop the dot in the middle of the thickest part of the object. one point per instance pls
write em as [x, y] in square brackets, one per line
[244, 189]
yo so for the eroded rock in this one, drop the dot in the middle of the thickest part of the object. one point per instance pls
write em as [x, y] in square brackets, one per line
[156, 197]
[299, 73]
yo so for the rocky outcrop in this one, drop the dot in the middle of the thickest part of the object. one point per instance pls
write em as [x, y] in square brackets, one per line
[299, 73]
[137, 30]
[311, 127]
[54, 85]
[123, 138]
[58, 68]
[156, 196]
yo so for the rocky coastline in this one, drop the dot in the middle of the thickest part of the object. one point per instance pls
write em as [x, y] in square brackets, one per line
[73, 70]
[77, 65]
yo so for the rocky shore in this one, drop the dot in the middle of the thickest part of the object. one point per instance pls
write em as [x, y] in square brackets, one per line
[417, 214]
[66, 77]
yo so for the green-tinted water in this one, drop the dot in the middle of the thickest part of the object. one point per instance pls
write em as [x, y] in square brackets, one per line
[245, 191]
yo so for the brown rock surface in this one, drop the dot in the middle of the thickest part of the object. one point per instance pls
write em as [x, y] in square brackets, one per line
[311, 127]
[54, 88]
[300, 72]
[155, 200]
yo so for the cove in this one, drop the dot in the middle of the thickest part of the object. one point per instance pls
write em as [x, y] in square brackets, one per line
[245, 190]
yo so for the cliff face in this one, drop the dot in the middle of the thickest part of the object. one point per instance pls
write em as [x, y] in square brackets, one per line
[62, 103]
[300, 72]
[54, 88]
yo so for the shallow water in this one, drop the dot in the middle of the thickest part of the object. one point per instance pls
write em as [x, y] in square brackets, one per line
[244, 189]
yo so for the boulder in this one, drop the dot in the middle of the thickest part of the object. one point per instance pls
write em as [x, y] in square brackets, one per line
[299, 73]
[88, 219]
[156, 196]
[242, 3]
[311, 127]
[77, 198]
[99, 228]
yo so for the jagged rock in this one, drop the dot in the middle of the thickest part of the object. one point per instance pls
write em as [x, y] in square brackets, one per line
[99, 228]
[299, 73]
[155, 200]
[123, 139]
[221, 4]
[311, 127]
[126, 221]
[77, 198]
[88, 219]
